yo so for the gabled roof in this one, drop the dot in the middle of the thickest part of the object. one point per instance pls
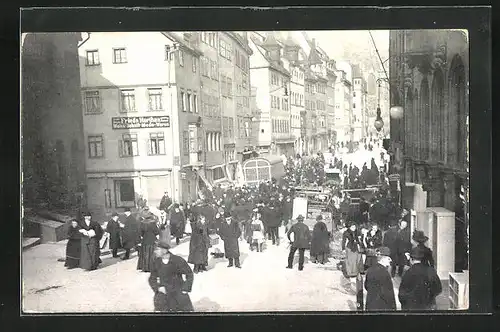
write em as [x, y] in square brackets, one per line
[184, 44]
[270, 41]
[314, 57]
[290, 42]
[272, 64]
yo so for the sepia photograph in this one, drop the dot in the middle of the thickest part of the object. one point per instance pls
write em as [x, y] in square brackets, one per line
[245, 171]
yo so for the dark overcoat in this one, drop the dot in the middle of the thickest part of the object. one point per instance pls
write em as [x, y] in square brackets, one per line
[428, 256]
[170, 276]
[165, 203]
[130, 233]
[230, 234]
[286, 210]
[390, 238]
[373, 242]
[199, 243]
[320, 243]
[271, 215]
[301, 234]
[379, 289]
[113, 228]
[403, 245]
[419, 287]
[149, 230]
[177, 223]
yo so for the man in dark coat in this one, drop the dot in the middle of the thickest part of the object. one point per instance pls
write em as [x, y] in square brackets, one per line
[301, 241]
[378, 283]
[166, 280]
[390, 238]
[177, 222]
[420, 285]
[113, 229]
[130, 233]
[286, 210]
[165, 202]
[199, 244]
[230, 232]
[273, 222]
[403, 246]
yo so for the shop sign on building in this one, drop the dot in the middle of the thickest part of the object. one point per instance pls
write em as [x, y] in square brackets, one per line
[139, 122]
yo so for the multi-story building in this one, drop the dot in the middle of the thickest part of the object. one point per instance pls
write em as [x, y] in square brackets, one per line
[318, 61]
[52, 123]
[330, 104]
[359, 107]
[429, 77]
[292, 61]
[141, 96]
[343, 108]
[272, 80]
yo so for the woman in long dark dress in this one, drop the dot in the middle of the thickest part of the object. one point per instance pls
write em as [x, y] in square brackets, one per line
[320, 243]
[90, 250]
[352, 247]
[149, 230]
[177, 223]
[73, 246]
[199, 244]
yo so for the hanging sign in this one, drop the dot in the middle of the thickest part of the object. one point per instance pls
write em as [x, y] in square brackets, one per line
[135, 122]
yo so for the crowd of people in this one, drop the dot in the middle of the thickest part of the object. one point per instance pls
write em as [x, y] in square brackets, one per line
[375, 235]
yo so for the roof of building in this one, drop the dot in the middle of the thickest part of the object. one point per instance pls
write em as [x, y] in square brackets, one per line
[272, 64]
[270, 41]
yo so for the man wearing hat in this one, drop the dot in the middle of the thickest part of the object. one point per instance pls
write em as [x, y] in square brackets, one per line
[130, 233]
[403, 246]
[177, 222]
[420, 238]
[420, 285]
[113, 229]
[165, 202]
[166, 280]
[378, 283]
[230, 232]
[301, 240]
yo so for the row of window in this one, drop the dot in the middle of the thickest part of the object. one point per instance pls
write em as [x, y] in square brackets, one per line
[211, 104]
[280, 126]
[119, 56]
[241, 60]
[279, 103]
[310, 105]
[297, 99]
[191, 141]
[226, 50]
[227, 126]
[278, 80]
[189, 102]
[320, 105]
[297, 74]
[209, 68]
[214, 141]
[313, 88]
[209, 38]
[226, 85]
[244, 128]
[128, 146]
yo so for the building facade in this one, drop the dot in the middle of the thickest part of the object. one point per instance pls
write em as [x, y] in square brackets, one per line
[330, 104]
[343, 108]
[272, 80]
[141, 118]
[359, 105]
[429, 73]
[53, 161]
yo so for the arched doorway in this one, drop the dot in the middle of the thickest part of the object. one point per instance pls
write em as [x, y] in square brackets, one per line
[437, 112]
[424, 119]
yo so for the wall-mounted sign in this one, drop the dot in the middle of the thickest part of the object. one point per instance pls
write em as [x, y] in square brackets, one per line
[135, 122]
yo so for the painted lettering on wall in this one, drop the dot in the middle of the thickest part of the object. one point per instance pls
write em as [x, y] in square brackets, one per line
[140, 122]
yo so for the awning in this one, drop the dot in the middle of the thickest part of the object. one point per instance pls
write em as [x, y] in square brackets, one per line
[216, 166]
